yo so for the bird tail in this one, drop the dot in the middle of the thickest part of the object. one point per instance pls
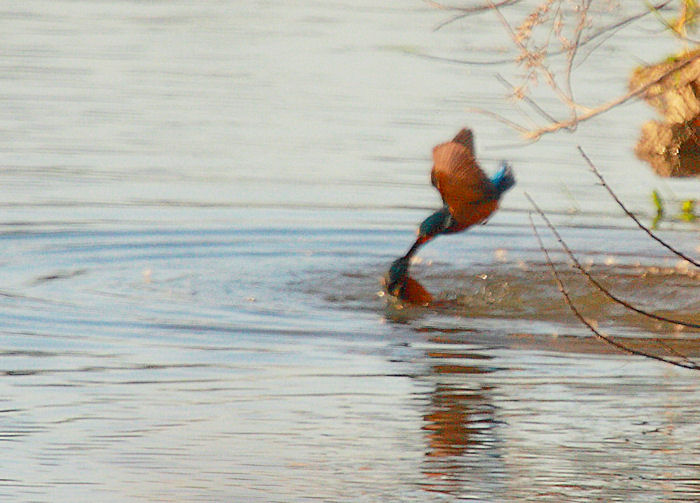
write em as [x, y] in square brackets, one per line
[504, 179]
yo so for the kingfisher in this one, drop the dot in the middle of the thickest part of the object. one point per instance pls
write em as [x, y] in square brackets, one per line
[469, 197]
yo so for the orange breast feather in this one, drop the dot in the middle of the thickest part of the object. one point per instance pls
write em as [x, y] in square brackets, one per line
[464, 187]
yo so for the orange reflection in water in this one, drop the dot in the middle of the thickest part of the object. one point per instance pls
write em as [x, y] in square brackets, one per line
[414, 293]
[455, 413]
[408, 290]
[458, 421]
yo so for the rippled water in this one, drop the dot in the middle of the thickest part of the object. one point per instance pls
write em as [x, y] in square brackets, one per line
[199, 199]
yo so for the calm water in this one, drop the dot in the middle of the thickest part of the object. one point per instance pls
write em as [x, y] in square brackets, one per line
[198, 201]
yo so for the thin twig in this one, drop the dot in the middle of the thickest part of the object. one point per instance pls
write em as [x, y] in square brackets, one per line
[605, 30]
[595, 282]
[536, 62]
[678, 33]
[526, 99]
[466, 11]
[629, 213]
[625, 22]
[674, 352]
[610, 104]
[499, 118]
[571, 56]
[567, 298]
[468, 62]
[609, 30]
[475, 9]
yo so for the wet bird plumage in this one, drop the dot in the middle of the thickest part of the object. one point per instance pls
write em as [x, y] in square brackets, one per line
[469, 198]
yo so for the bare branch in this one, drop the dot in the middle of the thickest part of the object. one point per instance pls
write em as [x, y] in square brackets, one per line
[609, 30]
[468, 62]
[631, 215]
[688, 364]
[535, 60]
[595, 282]
[571, 55]
[475, 10]
[678, 31]
[499, 118]
[466, 11]
[611, 104]
[526, 99]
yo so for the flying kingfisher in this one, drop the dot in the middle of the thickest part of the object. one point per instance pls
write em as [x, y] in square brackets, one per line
[469, 197]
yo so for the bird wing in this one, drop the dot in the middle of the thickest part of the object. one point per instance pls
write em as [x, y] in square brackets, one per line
[466, 138]
[457, 176]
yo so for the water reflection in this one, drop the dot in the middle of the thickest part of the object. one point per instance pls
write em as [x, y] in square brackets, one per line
[549, 427]
[460, 422]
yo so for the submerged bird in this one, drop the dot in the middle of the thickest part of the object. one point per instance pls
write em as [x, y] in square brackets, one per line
[469, 197]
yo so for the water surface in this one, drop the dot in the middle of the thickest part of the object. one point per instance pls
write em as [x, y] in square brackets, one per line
[199, 200]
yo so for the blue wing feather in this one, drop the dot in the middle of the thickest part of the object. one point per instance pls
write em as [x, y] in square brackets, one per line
[503, 179]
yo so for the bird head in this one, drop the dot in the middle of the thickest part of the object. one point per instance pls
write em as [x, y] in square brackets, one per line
[399, 284]
[396, 276]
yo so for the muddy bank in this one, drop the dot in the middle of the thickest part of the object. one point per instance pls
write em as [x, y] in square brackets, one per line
[671, 145]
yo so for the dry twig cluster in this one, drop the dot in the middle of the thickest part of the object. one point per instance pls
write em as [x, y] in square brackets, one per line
[555, 29]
